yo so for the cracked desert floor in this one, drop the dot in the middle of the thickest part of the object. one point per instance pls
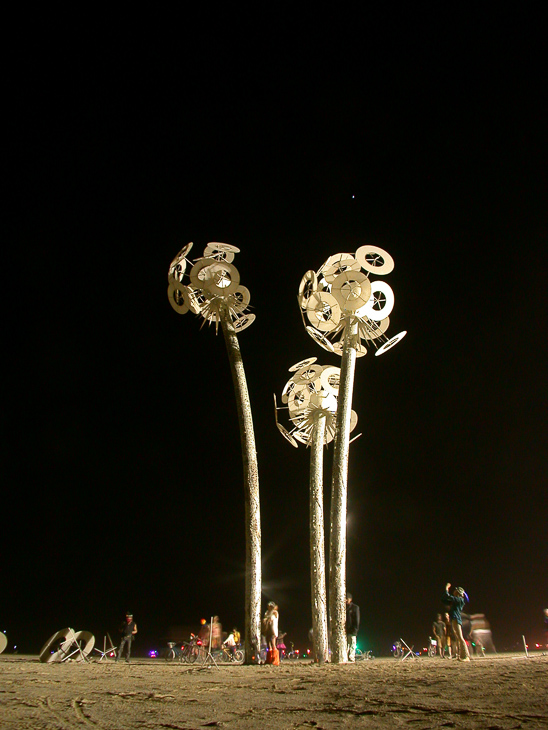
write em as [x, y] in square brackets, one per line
[503, 691]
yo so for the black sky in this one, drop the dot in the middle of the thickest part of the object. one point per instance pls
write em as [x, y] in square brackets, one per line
[425, 135]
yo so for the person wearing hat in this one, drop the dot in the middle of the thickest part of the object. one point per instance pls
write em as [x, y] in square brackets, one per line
[128, 631]
[455, 604]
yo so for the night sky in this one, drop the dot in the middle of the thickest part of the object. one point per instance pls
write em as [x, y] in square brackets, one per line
[424, 135]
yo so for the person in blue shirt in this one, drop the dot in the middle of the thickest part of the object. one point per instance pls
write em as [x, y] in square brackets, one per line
[455, 604]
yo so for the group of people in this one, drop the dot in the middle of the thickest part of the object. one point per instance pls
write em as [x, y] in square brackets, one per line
[454, 630]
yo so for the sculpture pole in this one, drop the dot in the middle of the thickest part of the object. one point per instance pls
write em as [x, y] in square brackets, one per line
[317, 541]
[251, 492]
[215, 293]
[337, 543]
[339, 300]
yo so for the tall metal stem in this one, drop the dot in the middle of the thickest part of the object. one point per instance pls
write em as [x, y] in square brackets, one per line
[337, 543]
[317, 542]
[251, 493]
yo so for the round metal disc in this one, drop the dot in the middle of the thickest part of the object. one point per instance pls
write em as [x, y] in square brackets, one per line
[375, 260]
[353, 420]
[388, 345]
[3, 641]
[218, 277]
[323, 311]
[320, 339]
[379, 289]
[307, 374]
[240, 299]
[307, 287]
[57, 646]
[178, 266]
[336, 264]
[302, 364]
[197, 299]
[298, 401]
[285, 433]
[330, 379]
[221, 252]
[288, 389]
[352, 290]
[86, 640]
[178, 298]
[243, 322]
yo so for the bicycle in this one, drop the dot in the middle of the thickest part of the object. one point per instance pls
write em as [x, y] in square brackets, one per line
[363, 655]
[173, 652]
[432, 647]
[231, 657]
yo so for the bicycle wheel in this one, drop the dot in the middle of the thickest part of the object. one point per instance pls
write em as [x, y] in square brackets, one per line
[225, 656]
[170, 655]
[238, 657]
[192, 654]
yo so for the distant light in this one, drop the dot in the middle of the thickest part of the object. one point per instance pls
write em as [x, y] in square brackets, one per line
[153, 654]
[353, 197]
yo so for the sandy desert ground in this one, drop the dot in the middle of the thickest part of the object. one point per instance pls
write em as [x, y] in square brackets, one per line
[503, 691]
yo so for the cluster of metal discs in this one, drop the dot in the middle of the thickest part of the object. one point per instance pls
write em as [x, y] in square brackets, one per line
[341, 292]
[214, 283]
[312, 390]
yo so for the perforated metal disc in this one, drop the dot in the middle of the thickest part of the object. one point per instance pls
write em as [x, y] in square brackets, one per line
[298, 401]
[330, 379]
[393, 341]
[240, 299]
[307, 286]
[243, 322]
[323, 311]
[352, 290]
[302, 364]
[307, 374]
[86, 640]
[320, 339]
[221, 251]
[288, 388]
[178, 266]
[285, 433]
[374, 259]
[337, 264]
[57, 646]
[178, 298]
[380, 291]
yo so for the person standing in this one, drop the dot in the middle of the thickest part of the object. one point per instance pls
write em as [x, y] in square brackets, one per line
[270, 631]
[438, 629]
[455, 603]
[352, 626]
[128, 631]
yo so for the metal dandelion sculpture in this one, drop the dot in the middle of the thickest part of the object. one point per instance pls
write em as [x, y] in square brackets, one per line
[214, 293]
[310, 396]
[347, 313]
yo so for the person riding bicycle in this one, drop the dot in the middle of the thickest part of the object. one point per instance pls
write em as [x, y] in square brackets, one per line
[230, 642]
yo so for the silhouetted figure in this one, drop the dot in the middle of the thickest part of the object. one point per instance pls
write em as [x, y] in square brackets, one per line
[455, 602]
[128, 630]
[352, 627]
